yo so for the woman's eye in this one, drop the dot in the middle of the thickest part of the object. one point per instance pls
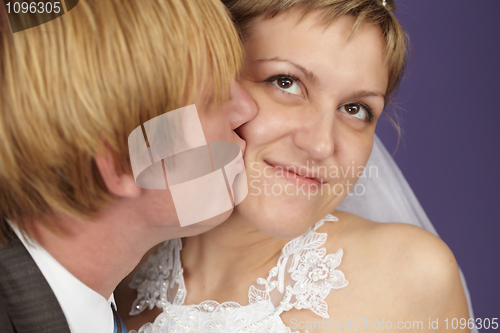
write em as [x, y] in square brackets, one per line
[287, 84]
[356, 110]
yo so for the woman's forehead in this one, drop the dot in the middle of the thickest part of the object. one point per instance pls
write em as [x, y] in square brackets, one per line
[327, 52]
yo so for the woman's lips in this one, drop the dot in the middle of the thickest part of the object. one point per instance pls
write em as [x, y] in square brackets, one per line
[282, 172]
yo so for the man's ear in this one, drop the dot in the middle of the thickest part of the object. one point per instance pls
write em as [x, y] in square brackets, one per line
[120, 184]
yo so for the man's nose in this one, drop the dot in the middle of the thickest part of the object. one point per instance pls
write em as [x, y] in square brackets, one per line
[242, 107]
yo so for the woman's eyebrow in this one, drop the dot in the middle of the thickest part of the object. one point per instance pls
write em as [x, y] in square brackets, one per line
[308, 74]
[314, 79]
[365, 93]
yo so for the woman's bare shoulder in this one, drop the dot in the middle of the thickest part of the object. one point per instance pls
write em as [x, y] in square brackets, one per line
[410, 243]
[411, 267]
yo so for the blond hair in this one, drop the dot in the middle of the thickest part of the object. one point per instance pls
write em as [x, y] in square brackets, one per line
[80, 83]
[244, 13]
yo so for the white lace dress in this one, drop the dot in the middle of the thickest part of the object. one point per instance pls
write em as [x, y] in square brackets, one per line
[303, 277]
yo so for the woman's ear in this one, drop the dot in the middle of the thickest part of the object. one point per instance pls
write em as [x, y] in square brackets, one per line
[120, 184]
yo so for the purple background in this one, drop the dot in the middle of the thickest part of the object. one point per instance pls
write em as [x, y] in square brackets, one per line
[451, 143]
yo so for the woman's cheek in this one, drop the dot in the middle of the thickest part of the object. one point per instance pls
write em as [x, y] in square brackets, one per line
[257, 131]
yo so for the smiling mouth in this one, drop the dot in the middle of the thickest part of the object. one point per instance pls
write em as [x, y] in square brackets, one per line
[289, 174]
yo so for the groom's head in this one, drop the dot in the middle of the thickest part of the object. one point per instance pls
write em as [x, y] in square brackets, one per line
[73, 89]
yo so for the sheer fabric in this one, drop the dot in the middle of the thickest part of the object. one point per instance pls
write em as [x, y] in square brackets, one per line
[388, 197]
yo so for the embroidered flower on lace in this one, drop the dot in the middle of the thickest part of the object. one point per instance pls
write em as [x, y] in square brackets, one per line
[315, 277]
[314, 273]
[301, 261]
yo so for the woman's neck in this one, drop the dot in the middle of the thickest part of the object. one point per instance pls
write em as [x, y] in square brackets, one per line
[213, 263]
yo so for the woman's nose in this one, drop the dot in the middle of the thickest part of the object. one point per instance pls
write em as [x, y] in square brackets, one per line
[241, 106]
[316, 137]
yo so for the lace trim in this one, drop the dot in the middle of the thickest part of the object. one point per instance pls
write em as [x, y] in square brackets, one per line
[161, 271]
[312, 270]
[302, 260]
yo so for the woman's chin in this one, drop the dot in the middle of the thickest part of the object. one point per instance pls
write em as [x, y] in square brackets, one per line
[277, 220]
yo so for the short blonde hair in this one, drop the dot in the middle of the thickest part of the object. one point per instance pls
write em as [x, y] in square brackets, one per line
[82, 82]
[244, 13]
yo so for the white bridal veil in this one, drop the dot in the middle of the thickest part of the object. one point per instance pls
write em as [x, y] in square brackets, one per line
[388, 197]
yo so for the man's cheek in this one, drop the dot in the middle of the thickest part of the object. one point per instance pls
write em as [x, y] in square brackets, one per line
[170, 151]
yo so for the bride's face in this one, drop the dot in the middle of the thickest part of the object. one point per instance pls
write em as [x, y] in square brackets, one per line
[319, 91]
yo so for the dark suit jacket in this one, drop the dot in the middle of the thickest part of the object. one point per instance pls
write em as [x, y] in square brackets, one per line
[27, 303]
